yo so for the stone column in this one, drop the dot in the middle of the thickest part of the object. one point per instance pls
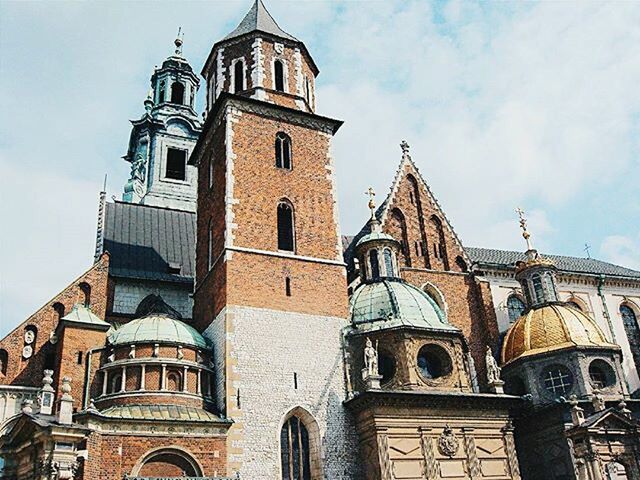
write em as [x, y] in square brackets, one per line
[383, 454]
[199, 382]
[123, 383]
[105, 381]
[510, 448]
[184, 379]
[143, 374]
[426, 444]
[472, 454]
[209, 385]
[163, 377]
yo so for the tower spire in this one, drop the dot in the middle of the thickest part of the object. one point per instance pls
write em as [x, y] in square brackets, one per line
[178, 42]
[523, 225]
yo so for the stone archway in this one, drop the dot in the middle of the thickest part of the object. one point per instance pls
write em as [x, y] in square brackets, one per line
[167, 462]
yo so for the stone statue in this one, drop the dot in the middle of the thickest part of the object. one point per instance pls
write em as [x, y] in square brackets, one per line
[138, 168]
[370, 358]
[180, 353]
[493, 370]
[597, 400]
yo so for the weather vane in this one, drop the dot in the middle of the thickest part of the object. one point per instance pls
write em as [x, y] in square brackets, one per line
[587, 247]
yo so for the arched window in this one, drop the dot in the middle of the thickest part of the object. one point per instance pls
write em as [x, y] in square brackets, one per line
[285, 227]
[116, 383]
[631, 328]
[439, 246]
[174, 383]
[515, 308]
[177, 93]
[435, 295]
[161, 94]
[537, 288]
[398, 223]
[388, 262]
[169, 463]
[238, 76]
[59, 309]
[373, 262]
[278, 72]
[294, 450]
[4, 360]
[86, 292]
[283, 151]
[549, 288]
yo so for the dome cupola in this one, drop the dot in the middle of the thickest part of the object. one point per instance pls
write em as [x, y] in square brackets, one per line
[377, 252]
[157, 328]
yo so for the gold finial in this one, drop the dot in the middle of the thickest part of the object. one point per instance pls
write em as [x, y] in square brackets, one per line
[372, 203]
[523, 225]
[178, 42]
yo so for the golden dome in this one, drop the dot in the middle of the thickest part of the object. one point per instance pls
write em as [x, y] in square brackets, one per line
[552, 327]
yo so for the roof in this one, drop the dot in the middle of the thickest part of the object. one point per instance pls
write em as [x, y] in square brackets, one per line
[390, 303]
[155, 329]
[160, 412]
[83, 315]
[490, 257]
[259, 19]
[551, 328]
[151, 243]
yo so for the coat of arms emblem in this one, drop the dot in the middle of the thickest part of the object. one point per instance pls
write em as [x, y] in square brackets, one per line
[448, 444]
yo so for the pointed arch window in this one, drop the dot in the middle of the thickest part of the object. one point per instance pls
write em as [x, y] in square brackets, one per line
[278, 73]
[286, 235]
[210, 246]
[86, 292]
[440, 246]
[632, 329]
[373, 263]
[177, 93]
[238, 76]
[283, 151]
[294, 450]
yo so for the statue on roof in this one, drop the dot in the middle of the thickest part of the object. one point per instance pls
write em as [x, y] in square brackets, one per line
[493, 370]
[370, 359]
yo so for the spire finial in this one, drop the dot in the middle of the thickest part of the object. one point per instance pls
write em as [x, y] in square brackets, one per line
[523, 225]
[405, 148]
[178, 42]
[372, 202]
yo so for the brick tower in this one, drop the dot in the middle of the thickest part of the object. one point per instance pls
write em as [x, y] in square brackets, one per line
[270, 279]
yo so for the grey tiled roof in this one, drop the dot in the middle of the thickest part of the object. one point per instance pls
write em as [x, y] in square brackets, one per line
[490, 257]
[259, 19]
[148, 242]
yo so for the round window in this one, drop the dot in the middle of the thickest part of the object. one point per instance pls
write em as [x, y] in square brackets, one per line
[601, 374]
[433, 362]
[386, 367]
[558, 380]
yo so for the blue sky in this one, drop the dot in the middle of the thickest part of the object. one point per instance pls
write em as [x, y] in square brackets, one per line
[504, 104]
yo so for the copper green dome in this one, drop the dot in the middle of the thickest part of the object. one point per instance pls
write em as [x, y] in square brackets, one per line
[375, 236]
[391, 303]
[157, 328]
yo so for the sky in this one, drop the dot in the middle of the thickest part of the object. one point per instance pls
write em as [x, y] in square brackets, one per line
[504, 104]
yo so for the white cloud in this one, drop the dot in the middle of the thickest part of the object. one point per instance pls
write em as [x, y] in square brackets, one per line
[622, 250]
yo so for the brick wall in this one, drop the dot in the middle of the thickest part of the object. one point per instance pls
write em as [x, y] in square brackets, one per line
[28, 372]
[111, 456]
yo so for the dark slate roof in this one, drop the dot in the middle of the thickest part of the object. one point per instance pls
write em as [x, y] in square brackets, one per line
[150, 243]
[259, 19]
[506, 259]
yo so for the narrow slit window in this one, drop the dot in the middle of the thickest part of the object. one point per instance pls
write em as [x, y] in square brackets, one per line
[176, 164]
[79, 359]
[287, 286]
[278, 70]
[161, 94]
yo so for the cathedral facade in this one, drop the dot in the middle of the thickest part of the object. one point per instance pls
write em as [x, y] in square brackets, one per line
[227, 329]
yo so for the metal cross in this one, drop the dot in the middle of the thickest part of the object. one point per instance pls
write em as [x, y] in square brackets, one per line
[587, 247]
[372, 203]
[523, 225]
